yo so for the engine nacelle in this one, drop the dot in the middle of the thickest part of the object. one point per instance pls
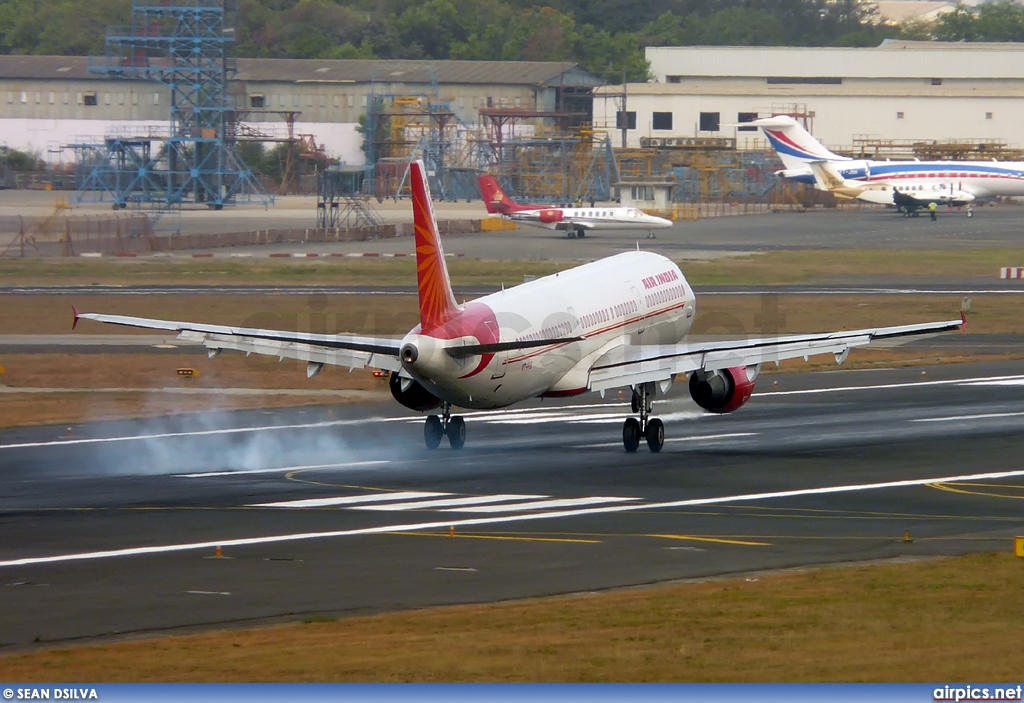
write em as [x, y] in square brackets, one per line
[550, 216]
[723, 390]
[412, 395]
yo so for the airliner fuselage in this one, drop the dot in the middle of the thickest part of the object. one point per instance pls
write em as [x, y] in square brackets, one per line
[635, 297]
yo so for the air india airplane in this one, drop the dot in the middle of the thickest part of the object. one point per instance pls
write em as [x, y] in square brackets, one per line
[574, 220]
[619, 322]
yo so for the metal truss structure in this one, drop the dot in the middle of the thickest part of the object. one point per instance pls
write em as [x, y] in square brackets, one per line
[182, 44]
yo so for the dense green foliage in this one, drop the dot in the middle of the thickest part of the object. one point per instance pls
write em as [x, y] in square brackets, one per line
[606, 36]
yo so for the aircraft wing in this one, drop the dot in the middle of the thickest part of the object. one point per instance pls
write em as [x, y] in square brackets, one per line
[315, 349]
[630, 365]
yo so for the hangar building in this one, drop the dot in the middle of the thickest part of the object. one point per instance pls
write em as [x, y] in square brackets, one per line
[898, 91]
[50, 101]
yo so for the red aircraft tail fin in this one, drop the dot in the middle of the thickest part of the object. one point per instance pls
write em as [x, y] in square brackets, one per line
[495, 199]
[437, 302]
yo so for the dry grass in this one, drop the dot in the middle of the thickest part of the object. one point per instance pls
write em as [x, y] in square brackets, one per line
[943, 620]
[389, 315]
[770, 267]
[396, 314]
[157, 371]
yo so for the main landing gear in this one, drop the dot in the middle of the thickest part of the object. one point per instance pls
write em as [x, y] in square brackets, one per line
[650, 428]
[573, 233]
[437, 427]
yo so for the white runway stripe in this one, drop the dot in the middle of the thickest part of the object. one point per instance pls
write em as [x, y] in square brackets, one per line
[279, 469]
[957, 418]
[200, 433]
[673, 440]
[448, 502]
[539, 505]
[348, 500]
[497, 520]
[889, 386]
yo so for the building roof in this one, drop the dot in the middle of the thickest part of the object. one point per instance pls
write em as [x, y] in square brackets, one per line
[534, 73]
[892, 59]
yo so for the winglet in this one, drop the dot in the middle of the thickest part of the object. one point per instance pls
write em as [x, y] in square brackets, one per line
[437, 302]
[74, 322]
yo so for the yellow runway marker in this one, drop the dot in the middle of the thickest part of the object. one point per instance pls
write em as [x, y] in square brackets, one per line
[988, 494]
[459, 535]
[719, 540]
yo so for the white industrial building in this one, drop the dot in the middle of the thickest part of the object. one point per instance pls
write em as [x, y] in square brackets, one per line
[901, 90]
[47, 102]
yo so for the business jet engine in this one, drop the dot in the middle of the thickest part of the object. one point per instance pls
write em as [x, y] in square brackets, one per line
[722, 390]
[412, 395]
[550, 216]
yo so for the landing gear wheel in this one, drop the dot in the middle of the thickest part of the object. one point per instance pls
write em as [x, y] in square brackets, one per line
[580, 233]
[631, 434]
[457, 432]
[570, 234]
[650, 235]
[433, 431]
[655, 435]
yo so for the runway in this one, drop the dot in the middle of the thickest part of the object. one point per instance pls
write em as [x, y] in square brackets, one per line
[327, 511]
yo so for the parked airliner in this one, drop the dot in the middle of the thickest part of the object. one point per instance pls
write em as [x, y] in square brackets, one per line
[619, 322]
[574, 220]
[979, 179]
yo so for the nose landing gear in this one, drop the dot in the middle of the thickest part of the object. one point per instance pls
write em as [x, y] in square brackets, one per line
[650, 428]
[437, 427]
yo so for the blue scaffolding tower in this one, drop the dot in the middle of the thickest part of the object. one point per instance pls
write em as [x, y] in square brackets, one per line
[182, 44]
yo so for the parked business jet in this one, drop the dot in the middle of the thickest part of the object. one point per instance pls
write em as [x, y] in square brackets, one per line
[979, 179]
[574, 220]
[908, 197]
[614, 323]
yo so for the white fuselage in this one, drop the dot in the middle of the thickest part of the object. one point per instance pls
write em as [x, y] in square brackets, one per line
[635, 297]
[603, 218]
[979, 179]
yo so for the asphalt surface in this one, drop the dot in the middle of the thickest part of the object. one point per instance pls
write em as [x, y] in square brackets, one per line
[711, 237]
[114, 528]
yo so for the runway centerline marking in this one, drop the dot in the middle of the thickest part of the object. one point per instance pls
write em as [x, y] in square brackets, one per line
[523, 517]
[449, 502]
[669, 440]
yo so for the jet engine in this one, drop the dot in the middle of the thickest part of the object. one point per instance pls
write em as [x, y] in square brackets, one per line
[722, 390]
[549, 216]
[411, 394]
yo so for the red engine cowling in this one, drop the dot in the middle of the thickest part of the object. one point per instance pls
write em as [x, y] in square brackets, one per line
[723, 390]
[412, 395]
[549, 216]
